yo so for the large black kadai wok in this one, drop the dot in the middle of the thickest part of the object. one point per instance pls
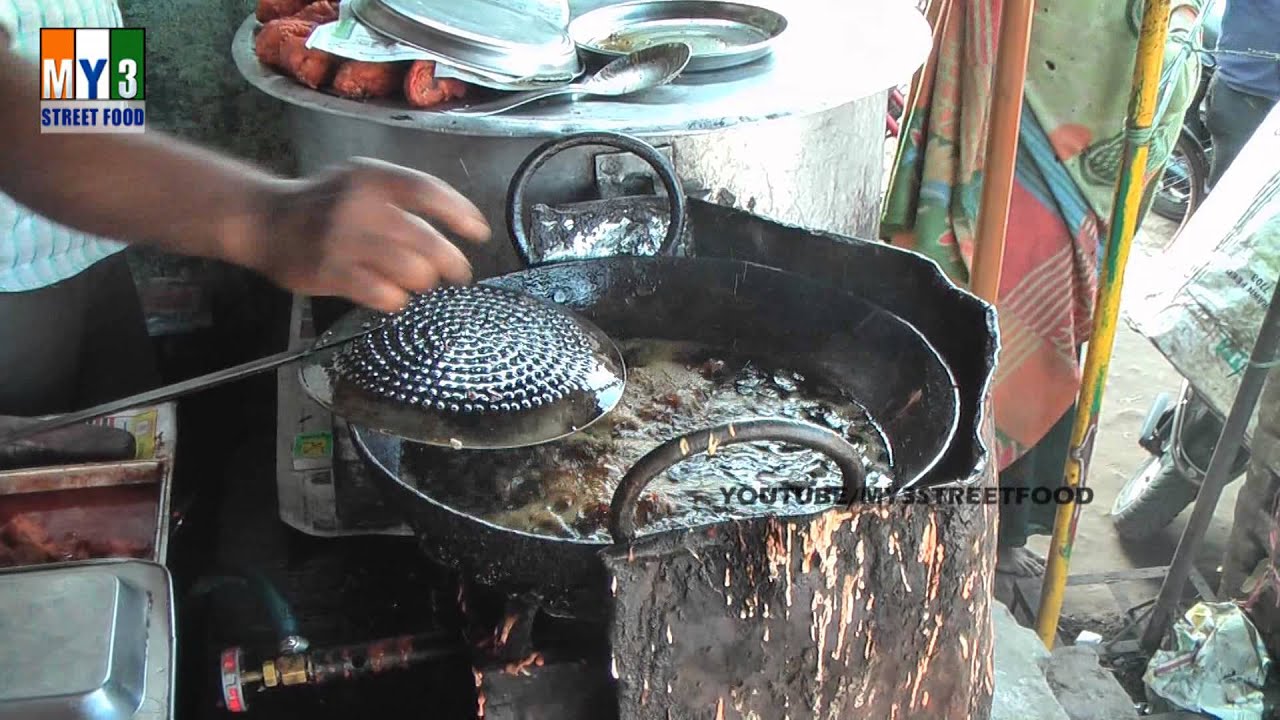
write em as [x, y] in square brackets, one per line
[877, 358]
[875, 610]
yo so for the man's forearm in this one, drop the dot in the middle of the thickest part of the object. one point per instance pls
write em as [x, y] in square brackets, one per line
[144, 188]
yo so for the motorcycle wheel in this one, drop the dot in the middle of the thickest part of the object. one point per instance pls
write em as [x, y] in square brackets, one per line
[1182, 185]
[1152, 497]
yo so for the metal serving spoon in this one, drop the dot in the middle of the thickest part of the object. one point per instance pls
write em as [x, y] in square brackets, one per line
[643, 69]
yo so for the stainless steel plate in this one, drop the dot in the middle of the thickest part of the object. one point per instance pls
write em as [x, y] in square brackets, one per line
[722, 34]
[476, 34]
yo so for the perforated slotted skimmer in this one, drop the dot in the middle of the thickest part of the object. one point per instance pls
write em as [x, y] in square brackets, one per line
[471, 367]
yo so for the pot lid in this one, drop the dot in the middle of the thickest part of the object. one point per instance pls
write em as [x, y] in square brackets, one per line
[482, 34]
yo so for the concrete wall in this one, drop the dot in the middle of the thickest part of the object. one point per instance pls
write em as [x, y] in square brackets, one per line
[194, 91]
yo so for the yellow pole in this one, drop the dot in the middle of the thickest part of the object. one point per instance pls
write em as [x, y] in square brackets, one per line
[1123, 225]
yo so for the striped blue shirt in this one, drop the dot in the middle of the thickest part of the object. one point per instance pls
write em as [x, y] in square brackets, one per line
[35, 252]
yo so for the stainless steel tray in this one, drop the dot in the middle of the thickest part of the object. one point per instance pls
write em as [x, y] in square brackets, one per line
[722, 34]
[101, 479]
[89, 640]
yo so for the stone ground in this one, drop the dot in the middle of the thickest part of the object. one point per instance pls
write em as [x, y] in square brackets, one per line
[1068, 684]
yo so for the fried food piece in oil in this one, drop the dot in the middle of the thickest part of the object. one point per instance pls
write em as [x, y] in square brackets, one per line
[361, 80]
[270, 38]
[423, 89]
[313, 68]
[324, 11]
[269, 10]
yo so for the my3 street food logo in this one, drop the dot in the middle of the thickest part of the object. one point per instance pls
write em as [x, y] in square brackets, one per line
[92, 80]
[825, 495]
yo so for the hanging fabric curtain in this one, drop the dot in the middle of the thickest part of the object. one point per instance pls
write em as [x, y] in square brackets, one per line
[1076, 94]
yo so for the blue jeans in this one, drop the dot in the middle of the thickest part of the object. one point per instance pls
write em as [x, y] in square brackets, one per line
[1232, 117]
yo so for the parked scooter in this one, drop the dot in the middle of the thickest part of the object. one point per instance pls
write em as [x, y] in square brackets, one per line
[1186, 176]
[1181, 439]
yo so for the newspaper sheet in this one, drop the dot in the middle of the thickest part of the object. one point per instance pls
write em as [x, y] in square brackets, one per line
[1203, 301]
[306, 450]
[154, 429]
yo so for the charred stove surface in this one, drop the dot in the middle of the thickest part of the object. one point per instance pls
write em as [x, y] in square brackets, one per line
[531, 666]
[872, 611]
[540, 691]
[876, 612]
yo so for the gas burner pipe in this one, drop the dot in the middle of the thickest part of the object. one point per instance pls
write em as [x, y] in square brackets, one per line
[325, 665]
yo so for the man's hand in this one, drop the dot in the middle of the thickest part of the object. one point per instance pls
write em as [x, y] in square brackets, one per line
[366, 231]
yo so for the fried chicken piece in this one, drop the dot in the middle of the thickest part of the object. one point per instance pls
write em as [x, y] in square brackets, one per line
[321, 12]
[313, 68]
[361, 80]
[269, 10]
[423, 89]
[267, 44]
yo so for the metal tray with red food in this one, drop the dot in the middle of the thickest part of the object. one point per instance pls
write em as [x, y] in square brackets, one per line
[94, 510]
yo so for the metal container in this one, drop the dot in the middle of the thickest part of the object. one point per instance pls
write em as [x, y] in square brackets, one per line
[796, 136]
[101, 501]
[89, 640]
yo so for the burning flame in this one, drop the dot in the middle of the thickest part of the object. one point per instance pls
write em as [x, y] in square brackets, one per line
[521, 667]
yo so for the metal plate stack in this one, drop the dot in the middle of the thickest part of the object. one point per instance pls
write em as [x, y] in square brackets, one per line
[482, 37]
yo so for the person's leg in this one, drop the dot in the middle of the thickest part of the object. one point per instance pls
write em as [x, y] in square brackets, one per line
[117, 357]
[1051, 465]
[1232, 117]
[1013, 557]
[40, 336]
[1042, 466]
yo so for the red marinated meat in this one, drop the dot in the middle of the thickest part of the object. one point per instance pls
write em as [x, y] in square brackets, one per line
[269, 10]
[271, 37]
[313, 68]
[362, 80]
[422, 89]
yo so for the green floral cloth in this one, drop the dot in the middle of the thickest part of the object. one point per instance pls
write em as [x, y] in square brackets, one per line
[1076, 97]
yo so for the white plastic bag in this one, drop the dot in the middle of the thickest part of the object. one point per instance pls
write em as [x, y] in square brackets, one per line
[1203, 301]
